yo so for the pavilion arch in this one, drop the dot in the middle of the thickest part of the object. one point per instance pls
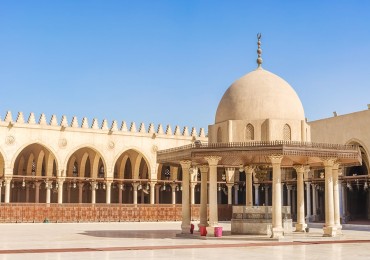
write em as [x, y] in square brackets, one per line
[357, 200]
[49, 153]
[35, 159]
[364, 152]
[89, 162]
[137, 159]
[2, 163]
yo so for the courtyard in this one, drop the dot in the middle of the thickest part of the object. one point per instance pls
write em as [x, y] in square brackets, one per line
[151, 240]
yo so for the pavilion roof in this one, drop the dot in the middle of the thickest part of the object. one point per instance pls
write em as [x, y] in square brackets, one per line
[234, 154]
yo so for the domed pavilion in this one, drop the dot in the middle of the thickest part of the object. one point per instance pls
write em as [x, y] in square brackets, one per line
[260, 128]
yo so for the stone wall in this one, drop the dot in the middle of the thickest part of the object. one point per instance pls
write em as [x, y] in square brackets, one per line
[69, 213]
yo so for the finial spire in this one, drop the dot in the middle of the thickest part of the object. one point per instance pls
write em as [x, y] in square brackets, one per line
[259, 51]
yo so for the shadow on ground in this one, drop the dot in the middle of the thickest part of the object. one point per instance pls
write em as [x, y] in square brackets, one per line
[160, 234]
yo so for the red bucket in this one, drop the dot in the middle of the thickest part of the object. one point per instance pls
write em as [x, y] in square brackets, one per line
[218, 231]
[203, 231]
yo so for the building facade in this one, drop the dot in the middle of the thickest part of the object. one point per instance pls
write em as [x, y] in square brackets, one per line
[60, 162]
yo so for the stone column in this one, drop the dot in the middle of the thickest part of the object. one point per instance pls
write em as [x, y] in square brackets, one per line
[152, 192]
[229, 193]
[344, 202]
[277, 226]
[212, 193]
[60, 191]
[289, 193]
[336, 197]
[157, 193]
[236, 194]
[203, 195]
[300, 225]
[80, 191]
[294, 203]
[108, 185]
[37, 192]
[8, 181]
[69, 193]
[134, 192]
[48, 188]
[256, 195]
[308, 199]
[93, 192]
[173, 189]
[248, 185]
[192, 193]
[185, 225]
[120, 189]
[267, 195]
[27, 193]
[330, 228]
[314, 200]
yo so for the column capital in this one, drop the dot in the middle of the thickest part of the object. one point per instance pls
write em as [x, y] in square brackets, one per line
[212, 160]
[336, 166]
[299, 169]
[329, 162]
[313, 185]
[256, 185]
[185, 164]
[59, 180]
[230, 174]
[230, 184]
[289, 187]
[152, 183]
[203, 168]
[275, 158]
[249, 169]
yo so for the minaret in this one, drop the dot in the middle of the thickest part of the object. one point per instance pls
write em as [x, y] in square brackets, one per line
[259, 51]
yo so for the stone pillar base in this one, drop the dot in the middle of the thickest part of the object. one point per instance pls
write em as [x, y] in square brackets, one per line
[202, 225]
[211, 231]
[185, 229]
[300, 227]
[277, 233]
[339, 229]
[330, 231]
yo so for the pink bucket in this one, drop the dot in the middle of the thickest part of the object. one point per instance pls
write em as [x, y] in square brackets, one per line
[218, 231]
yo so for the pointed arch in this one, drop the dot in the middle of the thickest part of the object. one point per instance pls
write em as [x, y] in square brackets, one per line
[21, 169]
[31, 165]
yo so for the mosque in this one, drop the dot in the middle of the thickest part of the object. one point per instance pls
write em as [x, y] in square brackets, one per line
[260, 151]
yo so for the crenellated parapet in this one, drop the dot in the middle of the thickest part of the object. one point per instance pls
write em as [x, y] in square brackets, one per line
[104, 127]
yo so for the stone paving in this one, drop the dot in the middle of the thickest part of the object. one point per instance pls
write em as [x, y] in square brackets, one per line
[130, 240]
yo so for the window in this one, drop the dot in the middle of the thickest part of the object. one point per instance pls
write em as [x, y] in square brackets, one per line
[287, 133]
[249, 132]
[219, 135]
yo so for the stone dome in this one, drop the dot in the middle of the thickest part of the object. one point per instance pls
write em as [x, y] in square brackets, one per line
[258, 95]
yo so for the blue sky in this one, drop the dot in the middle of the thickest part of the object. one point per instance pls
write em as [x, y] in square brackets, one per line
[170, 62]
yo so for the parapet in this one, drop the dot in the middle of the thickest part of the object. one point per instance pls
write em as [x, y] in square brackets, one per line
[151, 130]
